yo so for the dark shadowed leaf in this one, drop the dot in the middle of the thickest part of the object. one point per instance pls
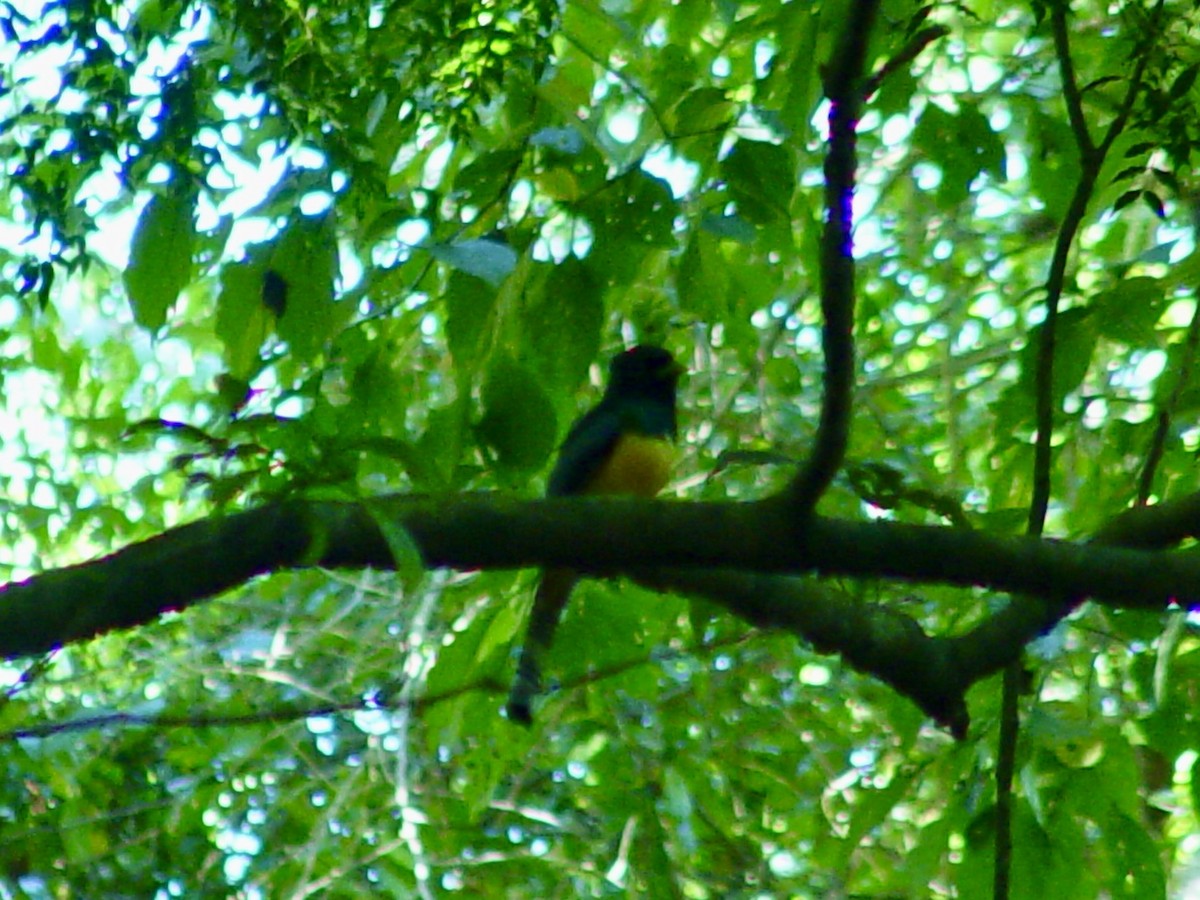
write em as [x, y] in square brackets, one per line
[519, 422]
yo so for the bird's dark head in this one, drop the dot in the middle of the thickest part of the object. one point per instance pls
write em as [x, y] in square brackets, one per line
[644, 370]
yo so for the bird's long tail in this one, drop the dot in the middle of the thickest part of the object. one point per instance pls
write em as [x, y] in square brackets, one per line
[550, 599]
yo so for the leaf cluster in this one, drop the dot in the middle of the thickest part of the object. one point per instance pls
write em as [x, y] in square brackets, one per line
[383, 249]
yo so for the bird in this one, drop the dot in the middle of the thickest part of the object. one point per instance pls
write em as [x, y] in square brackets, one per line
[622, 445]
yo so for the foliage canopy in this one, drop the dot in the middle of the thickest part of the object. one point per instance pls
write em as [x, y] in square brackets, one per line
[260, 254]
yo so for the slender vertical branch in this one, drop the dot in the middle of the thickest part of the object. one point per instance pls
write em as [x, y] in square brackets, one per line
[844, 88]
[1162, 424]
[1006, 764]
[1070, 87]
[1010, 720]
[1091, 158]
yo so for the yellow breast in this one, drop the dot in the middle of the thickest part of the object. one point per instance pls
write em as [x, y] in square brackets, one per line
[638, 465]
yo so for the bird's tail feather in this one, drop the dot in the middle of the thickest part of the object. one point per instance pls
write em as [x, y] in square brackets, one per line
[551, 597]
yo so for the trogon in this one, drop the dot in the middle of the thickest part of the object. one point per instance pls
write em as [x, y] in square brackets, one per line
[623, 445]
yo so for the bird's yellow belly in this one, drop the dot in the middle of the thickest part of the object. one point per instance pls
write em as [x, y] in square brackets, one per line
[638, 465]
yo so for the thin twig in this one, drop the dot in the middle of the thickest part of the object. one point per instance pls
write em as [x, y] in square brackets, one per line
[1071, 95]
[637, 89]
[277, 715]
[907, 54]
[1162, 425]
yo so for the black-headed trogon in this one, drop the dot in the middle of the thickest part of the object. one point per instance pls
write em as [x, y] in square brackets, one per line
[623, 445]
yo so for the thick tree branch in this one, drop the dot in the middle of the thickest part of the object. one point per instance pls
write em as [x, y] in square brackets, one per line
[1154, 527]
[875, 639]
[600, 536]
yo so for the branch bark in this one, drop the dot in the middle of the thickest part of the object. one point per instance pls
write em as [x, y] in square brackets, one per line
[844, 88]
[751, 544]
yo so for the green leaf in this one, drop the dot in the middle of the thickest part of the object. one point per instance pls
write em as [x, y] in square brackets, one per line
[1183, 83]
[565, 141]
[439, 449]
[641, 208]
[482, 180]
[519, 422]
[1185, 272]
[489, 260]
[1125, 199]
[305, 257]
[1155, 204]
[1053, 165]
[1074, 342]
[701, 110]
[792, 84]
[475, 651]
[470, 305]
[734, 228]
[502, 630]
[963, 145]
[1130, 311]
[984, 146]
[562, 326]
[874, 807]
[703, 279]
[761, 178]
[632, 215]
[457, 664]
[160, 258]
[1139, 871]
[406, 556]
[1194, 783]
[649, 865]
[613, 623]
[243, 321]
